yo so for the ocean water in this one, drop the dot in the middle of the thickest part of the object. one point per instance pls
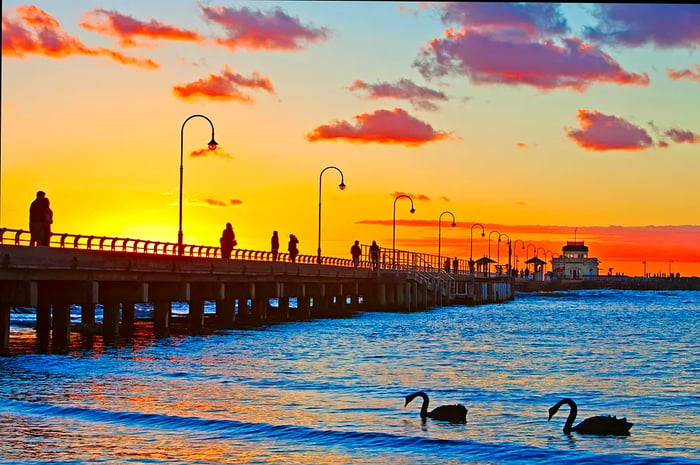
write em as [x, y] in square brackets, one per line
[331, 391]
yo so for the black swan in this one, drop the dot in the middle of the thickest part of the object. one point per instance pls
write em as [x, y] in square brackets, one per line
[453, 413]
[602, 425]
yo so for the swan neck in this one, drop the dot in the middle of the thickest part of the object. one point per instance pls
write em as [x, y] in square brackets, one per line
[424, 407]
[573, 411]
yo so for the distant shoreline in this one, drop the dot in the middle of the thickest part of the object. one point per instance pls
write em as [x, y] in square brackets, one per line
[609, 282]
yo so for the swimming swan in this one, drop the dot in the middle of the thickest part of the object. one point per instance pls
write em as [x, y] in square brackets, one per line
[453, 413]
[601, 425]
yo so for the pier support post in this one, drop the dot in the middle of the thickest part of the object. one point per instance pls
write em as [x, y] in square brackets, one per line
[161, 318]
[110, 320]
[195, 317]
[128, 319]
[4, 328]
[60, 330]
[87, 314]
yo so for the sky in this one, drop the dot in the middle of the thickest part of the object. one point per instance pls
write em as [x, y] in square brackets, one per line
[542, 122]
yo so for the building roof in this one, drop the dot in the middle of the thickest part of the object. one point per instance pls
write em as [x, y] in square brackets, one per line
[574, 248]
[485, 260]
[535, 260]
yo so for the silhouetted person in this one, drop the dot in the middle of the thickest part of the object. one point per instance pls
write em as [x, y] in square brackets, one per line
[292, 248]
[471, 266]
[374, 255]
[37, 216]
[274, 245]
[48, 221]
[455, 265]
[227, 241]
[356, 252]
[447, 265]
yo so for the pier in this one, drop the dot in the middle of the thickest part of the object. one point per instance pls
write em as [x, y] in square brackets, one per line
[119, 273]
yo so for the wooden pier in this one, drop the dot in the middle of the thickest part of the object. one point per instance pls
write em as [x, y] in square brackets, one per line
[52, 279]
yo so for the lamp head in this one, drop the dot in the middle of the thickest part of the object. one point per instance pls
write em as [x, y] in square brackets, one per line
[483, 234]
[341, 186]
[454, 224]
[413, 210]
[212, 144]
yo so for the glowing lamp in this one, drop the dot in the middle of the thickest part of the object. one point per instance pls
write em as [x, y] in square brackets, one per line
[341, 186]
[212, 144]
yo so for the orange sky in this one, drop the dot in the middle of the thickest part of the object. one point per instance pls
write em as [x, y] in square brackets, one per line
[539, 121]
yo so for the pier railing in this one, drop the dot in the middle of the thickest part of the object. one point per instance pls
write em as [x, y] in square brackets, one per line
[390, 259]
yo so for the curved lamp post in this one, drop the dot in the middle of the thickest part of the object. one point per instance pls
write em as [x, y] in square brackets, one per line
[522, 247]
[212, 146]
[393, 231]
[489, 264]
[499, 249]
[454, 223]
[471, 238]
[527, 253]
[341, 186]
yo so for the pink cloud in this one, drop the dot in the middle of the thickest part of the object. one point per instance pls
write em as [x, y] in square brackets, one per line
[691, 74]
[211, 202]
[36, 32]
[225, 86]
[403, 89]
[600, 132]
[683, 136]
[218, 152]
[256, 30]
[413, 196]
[662, 24]
[487, 59]
[382, 126]
[126, 28]
[532, 20]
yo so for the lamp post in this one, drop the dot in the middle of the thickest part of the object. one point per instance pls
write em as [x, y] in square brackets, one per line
[522, 246]
[645, 268]
[393, 231]
[509, 248]
[454, 223]
[527, 252]
[341, 186]
[670, 260]
[212, 146]
[489, 264]
[471, 238]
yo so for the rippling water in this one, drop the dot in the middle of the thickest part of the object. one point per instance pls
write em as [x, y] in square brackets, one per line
[331, 391]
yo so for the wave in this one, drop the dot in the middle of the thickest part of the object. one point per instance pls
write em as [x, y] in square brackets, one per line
[368, 442]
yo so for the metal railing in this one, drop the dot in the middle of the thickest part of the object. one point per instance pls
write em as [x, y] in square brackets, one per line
[389, 259]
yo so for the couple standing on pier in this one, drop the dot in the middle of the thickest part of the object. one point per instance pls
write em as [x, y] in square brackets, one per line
[40, 220]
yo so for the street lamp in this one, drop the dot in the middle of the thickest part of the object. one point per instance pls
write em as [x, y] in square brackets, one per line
[499, 249]
[522, 247]
[212, 146]
[527, 253]
[454, 223]
[393, 231]
[489, 264]
[670, 260]
[471, 238]
[341, 186]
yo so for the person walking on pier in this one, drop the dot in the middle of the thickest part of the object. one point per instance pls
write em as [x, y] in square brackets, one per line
[37, 217]
[447, 265]
[274, 245]
[374, 255]
[48, 221]
[356, 252]
[227, 241]
[292, 248]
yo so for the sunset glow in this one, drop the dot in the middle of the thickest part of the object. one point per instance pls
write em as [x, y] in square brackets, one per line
[545, 122]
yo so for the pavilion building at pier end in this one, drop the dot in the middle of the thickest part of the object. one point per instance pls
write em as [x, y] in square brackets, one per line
[574, 262]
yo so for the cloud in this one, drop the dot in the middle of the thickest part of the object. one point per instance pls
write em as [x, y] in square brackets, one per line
[413, 196]
[216, 203]
[381, 126]
[693, 75]
[126, 28]
[661, 24]
[600, 132]
[683, 136]
[225, 86]
[219, 152]
[36, 32]
[521, 145]
[531, 20]
[404, 89]
[486, 59]
[257, 30]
